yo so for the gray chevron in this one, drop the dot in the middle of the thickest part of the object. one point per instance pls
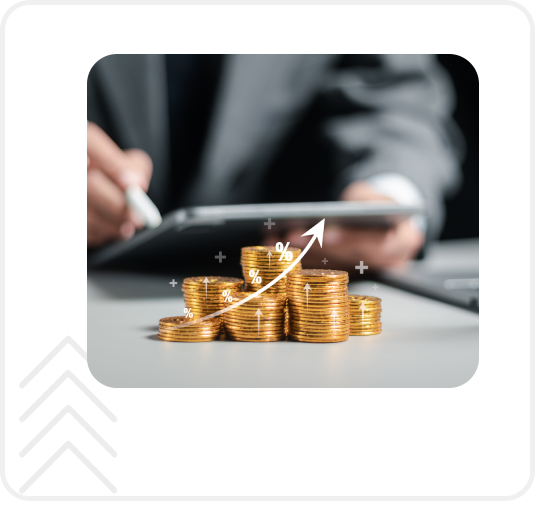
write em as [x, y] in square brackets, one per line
[54, 352]
[67, 410]
[68, 375]
[68, 446]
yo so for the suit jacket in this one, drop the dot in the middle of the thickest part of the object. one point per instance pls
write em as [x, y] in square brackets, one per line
[293, 127]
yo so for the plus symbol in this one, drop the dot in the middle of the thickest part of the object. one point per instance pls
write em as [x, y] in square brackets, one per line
[361, 267]
[220, 257]
[325, 261]
[269, 223]
[173, 282]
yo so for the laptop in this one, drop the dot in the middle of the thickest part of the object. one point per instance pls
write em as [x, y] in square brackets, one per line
[448, 273]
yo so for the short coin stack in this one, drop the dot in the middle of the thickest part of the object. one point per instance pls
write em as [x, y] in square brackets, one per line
[365, 315]
[204, 294]
[318, 305]
[262, 264]
[260, 319]
[208, 330]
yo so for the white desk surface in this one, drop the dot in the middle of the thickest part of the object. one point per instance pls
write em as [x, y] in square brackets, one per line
[424, 343]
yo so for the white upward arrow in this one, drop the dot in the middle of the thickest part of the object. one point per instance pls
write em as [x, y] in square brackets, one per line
[269, 259]
[307, 288]
[316, 232]
[206, 281]
[362, 307]
[334, 314]
[258, 314]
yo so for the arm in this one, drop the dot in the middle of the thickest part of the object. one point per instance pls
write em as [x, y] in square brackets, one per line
[386, 121]
[396, 119]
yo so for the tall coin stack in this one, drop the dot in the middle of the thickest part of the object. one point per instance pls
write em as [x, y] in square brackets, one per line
[318, 305]
[208, 330]
[365, 315]
[262, 264]
[206, 294]
[260, 319]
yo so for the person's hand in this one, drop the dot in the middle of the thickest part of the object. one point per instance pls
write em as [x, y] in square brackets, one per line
[344, 247]
[110, 170]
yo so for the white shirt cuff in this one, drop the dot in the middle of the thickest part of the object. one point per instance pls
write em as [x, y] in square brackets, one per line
[401, 189]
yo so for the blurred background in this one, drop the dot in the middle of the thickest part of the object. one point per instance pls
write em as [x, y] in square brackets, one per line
[462, 218]
[243, 129]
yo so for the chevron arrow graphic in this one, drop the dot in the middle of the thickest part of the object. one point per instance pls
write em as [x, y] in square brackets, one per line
[78, 383]
[54, 352]
[67, 410]
[68, 445]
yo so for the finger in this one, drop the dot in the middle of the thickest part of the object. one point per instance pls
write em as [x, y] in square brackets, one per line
[271, 239]
[99, 224]
[143, 164]
[111, 159]
[343, 248]
[411, 238]
[97, 236]
[362, 190]
[341, 242]
[378, 248]
[108, 200]
[100, 231]
[294, 237]
[373, 246]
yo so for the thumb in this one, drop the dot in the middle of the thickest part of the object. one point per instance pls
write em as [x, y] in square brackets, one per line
[143, 165]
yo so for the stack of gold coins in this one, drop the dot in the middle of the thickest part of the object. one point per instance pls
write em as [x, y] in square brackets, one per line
[260, 319]
[262, 264]
[365, 315]
[208, 330]
[206, 294]
[318, 305]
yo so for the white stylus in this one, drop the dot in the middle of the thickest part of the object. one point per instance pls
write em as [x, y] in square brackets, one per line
[139, 202]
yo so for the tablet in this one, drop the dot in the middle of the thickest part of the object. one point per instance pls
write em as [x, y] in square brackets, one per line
[188, 233]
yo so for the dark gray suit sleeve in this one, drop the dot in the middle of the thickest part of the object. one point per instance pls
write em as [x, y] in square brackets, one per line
[392, 113]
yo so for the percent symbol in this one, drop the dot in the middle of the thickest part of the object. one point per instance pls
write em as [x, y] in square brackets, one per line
[227, 296]
[255, 276]
[188, 312]
[283, 250]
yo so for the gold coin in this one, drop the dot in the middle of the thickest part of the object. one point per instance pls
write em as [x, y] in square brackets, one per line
[251, 331]
[360, 312]
[212, 281]
[298, 320]
[322, 309]
[365, 326]
[197, 328]
[366, 333]
[178, 320]
[256, 340]
[203, 331]
[264, 327]
[318, 340]
[318, 301]
[185, 340]
[365, 298]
